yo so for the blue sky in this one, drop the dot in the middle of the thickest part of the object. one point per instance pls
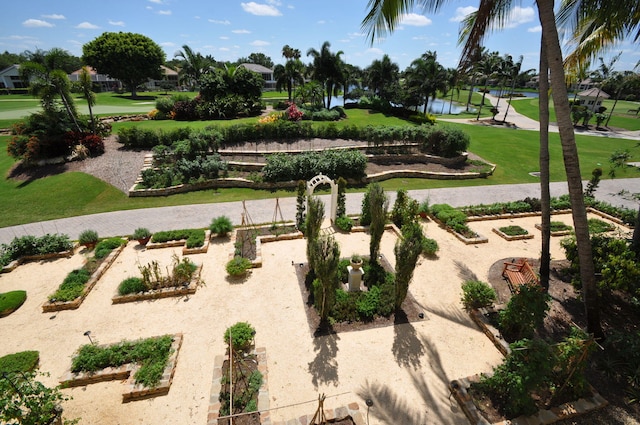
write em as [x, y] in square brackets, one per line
[229, 29]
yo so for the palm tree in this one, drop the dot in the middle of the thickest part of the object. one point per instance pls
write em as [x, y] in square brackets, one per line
[327, 69]
[381, 76]
[453, 83]
[487, 67]
[385, 15]
[514, 72]
[288, 75]
[87, 93]
[426, 77]
[290, 53]
[193, 65]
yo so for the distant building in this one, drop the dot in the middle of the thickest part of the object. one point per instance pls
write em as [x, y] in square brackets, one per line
[169, 75]
[10, 78]
[592, 98]
[105, 82]
[586, 84]
[266, 73]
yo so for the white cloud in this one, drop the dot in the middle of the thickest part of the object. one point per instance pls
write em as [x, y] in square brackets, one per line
[520, 15]
[54, 16]
[164, 12]
[216, 21]
[37, 23]
[168, 44]
[87, 26]
[260, 9]
[415, 20]
[274, 2]
[462, 12]
[116, 23]
[241, 32]
[537, 28]
[375, 51]
[224, 49]
[355, 34]
[155, 1]
[75, 42]
[224, 37]
[322, 22]
[20, 37]
[259, 43]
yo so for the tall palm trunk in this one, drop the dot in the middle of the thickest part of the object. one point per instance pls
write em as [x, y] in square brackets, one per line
[545, 196]
[473, 82]
[513, 87]
[572, 166]
[614, 106]
[484, 93]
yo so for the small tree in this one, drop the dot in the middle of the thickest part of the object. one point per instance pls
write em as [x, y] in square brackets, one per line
[407, 251]
[341, 208]
[326, 256]
[221, 225]
[300, 199]
[525, 311]
[313, 224]
[365, 213]
[86, 85]
[378, 205]
[399, 207]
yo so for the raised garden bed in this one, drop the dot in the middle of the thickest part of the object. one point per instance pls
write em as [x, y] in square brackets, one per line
[54, 305]
[188, 288]
[512, 233]
[42, 257]
[248, 240]
[181, 241]
[134, 391]
[558, 228]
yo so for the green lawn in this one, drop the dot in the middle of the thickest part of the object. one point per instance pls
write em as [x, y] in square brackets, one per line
[71, 194]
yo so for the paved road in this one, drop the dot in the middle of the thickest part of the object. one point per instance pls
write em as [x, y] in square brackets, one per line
[262, 211]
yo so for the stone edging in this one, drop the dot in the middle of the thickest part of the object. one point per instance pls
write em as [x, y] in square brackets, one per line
[480, 319]
[352, 409]
[558, 233]
[263, 393]
[465, 240]
[257, 263]
[175, 291]
[50, 307]
[27, 258]
[568, 410]
[127, 371]
[511, 237]
[183, 242]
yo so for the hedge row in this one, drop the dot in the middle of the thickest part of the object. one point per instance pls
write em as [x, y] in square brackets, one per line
[350, 164]
[33, 245]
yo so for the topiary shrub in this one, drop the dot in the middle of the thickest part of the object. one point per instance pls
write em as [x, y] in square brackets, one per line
[131, 285]
[238, 266]
[221, 226]
[241, 335]
[477, 294]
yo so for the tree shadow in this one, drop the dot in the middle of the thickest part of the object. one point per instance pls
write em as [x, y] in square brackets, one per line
[407, 348]
[464, 272]
[388, 407]
[324, 368]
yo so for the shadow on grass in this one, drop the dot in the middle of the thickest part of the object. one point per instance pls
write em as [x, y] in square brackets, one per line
[324, 368]
[407, 348]
[390, 407]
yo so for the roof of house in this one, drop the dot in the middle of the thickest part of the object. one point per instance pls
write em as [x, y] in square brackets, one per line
[9, 69]
[594, 92]
[257, 68]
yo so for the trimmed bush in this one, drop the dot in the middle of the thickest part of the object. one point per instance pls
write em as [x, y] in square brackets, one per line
[105, 246]
[131, 285]
[24, 361]
[194, 237]
[11, 301]
[344, 223]
[221, 226]
[513, 230]
[429, 246]
[241, 335]
[477, 294]
[332, 163]
[88, 237]
[238, 266]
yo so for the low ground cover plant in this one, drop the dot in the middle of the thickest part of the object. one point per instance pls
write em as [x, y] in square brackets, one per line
[32, 245]
[11, 300]
[23, 361]
[151, 354]
[513, 230]
[599, 226]
[453, 218]
[558, 226]
[194, 237]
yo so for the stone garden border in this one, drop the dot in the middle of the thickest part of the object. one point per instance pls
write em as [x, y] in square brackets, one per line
[510, 238]
[28, 258]
[558, 233]
[50, 307]
[459, 389]
[183, 242]
[257, 263]
[175, 291]
[127, 371]
[465, 240]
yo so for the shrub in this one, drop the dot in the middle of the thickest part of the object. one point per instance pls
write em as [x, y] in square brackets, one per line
[131, 285]
[11, 300]
[477, 294]
[24, 361]
[141, 233]
[368, 303]
[32, 245]
[344, 223]
[332, 163]
[558, 226]
[429, 246]
[221, 225]
[241, 334]
[88, 237]
[105, 246]
[524, 312]
[72, 286]
[598, 226]
[238, 266]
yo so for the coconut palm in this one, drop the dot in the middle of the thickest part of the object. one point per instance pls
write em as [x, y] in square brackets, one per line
[425, 76]
[193, 65]
[327, 70]
[381, 76]
[288, 75]
[385, 15]
[487, 67]
[515, 71]
[87, 93]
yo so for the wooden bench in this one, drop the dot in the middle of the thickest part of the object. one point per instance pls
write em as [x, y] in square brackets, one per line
[518, 273]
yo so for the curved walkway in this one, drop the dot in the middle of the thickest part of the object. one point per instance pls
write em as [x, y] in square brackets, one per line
[119, 223]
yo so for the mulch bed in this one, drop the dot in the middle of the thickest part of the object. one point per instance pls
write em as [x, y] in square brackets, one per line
[566, 311]
[240, 369]
[410, 309]
[246, 237]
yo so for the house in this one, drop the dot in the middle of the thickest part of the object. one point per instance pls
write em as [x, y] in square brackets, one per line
[266, 73]
[105, 82]
[10, 78]
[592, 99]
[168, 75]
[585, 84]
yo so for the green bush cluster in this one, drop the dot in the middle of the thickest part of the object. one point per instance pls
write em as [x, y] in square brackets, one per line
[24, 361]
[621, 361]
[599, 226]
[513, 230]
[194, 237]
[146, 138]
[238, 266]
[559, 226]
[105, 246]
[429, 246]
[11, 300]
[524, 313]
[344, 223]
[241, 334]
[33, 245]
[477, 294]
[332, 163]
[131, 285]
[151, 354]
[221, 225]
[72, 286]
[452, 218]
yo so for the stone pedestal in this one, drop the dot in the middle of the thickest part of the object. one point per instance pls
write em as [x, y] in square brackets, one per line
[355, 278]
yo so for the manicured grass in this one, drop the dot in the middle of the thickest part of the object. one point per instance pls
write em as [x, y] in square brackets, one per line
[72, 194]
[11, 300]
[24, 361]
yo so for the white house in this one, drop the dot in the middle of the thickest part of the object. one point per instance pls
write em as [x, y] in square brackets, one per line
[592, 98]
[168, 75]
[266, 73]
[10, 78]
[106, 83]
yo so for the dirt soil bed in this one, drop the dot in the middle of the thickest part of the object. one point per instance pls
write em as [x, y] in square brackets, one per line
[241, 372]
[567, 310]
[246, 238]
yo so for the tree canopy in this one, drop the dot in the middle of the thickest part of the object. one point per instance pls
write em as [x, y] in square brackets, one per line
[129, 57]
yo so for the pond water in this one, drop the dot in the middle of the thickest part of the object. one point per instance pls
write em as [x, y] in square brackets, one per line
[437, 106]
